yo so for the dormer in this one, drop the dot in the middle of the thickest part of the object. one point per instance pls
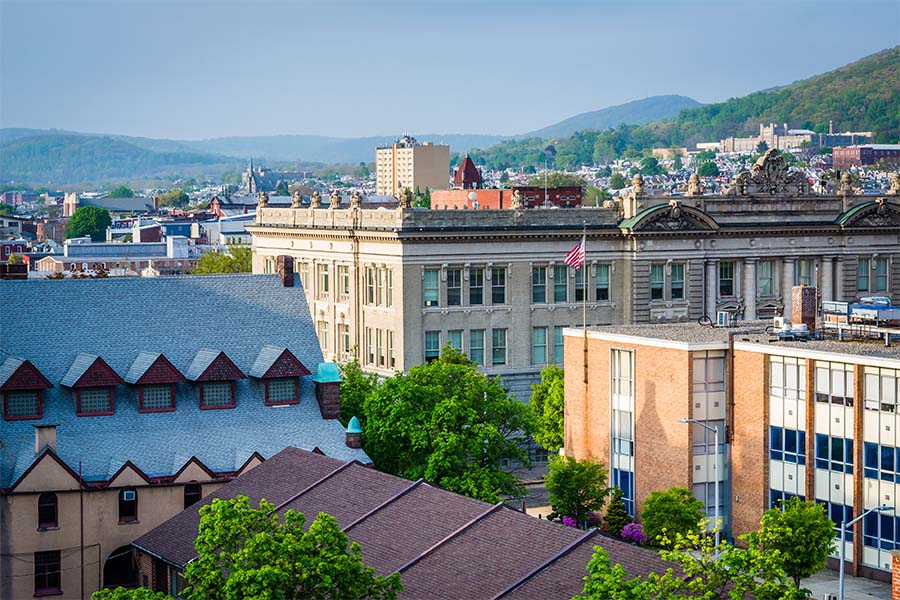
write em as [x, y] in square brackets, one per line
[94, 383]
[280, 371]
[155, 378]
[216, 376]
[22, 386]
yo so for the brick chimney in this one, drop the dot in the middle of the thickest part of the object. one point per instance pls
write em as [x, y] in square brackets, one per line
[285, 269]
[44, 435]
[803, 306]
[328, 390]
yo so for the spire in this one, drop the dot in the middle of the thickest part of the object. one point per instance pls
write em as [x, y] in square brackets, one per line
[251, 164]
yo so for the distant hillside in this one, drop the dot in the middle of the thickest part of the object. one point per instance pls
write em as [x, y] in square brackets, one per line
[67, 158]
[636, 112]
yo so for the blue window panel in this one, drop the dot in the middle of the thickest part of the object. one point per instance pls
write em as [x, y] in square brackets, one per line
[775, 436]
[790, 441]
[802, 450]
[870, 458]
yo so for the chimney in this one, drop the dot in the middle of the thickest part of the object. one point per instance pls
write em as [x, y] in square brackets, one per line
[803, 306]
[328, 390]
[354, 433]
[285, 269]
[44, 435]
[830, 127]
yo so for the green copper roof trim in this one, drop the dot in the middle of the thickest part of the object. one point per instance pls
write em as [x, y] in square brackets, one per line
[353, 426]
[846, 216]
[630, 223]
[327, 372]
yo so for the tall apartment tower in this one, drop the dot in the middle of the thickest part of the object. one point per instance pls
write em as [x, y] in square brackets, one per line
[408, 164]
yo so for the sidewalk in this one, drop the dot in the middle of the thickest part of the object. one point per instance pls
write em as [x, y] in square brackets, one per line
[855, 588]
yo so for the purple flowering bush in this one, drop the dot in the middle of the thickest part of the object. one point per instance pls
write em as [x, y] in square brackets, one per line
[569, 522]
[634, 533]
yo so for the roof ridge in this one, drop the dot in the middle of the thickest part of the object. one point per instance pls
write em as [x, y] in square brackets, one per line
[315, 483]
[450, 536]
[527, 576]
[402, 492]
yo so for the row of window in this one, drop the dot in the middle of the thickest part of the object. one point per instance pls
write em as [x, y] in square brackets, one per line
[787, 445]
[834, 453]
[379, 346]
[542, 352]
[881, 462]
[431, 296]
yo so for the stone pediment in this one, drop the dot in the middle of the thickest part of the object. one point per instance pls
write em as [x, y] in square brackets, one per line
[878, 213]
[673, 217]
[770, 175]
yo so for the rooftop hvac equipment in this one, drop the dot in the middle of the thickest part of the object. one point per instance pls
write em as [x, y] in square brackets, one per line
[725, 318]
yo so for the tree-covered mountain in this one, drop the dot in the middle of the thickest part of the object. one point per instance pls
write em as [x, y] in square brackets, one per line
[636, 112]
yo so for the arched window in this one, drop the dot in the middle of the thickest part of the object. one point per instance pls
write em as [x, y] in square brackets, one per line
[192, 493]
[47, 511]
[128, 505]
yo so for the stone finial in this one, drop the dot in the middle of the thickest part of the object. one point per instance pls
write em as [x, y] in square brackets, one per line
[695, 187]
[315, 199]
[516, 201]
[263, 200]
[295, 200]
[354, 433]
[894, 190]
[637, 183]
[355, 199]
[846, 183]
[334, 200]
[405, 199]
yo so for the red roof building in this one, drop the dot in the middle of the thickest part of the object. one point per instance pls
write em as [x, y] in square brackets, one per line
[467, 176]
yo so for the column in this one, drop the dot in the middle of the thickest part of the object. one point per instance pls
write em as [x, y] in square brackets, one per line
[827, 278]
[750, 289]
[787, 283]
[712, 288]
[838, 291]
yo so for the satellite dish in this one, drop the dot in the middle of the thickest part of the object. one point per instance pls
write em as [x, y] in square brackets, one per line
[473, 196]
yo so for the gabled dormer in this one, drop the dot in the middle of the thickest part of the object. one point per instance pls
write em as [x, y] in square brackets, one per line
[280, 371]
[216, 376]
[94, 383]
[155, 378]
[22, 386]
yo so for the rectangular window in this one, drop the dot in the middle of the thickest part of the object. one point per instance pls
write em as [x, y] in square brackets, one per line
[157, 397]
[705, 440]
[281, 391]
[804, 271]
[602, 283]
[538, 345]
[881, 275]
[304, 275]
[881, 389]
[476, 346]
[379, 347]
[392, 361]
[560, 284]
[657, 282]
[454, 287]
[706, 493]
[370, 285]
[97, 401]
[559, 354]
[476, 287]
[834, 453]
[624, 480]
[862, 275]
[677, 281]
[324, 281]
[344, 340]
[498, 346]
[344, 281]
[379, 287]
[22, 404]
[787, 445]
[322, 330]
[370, 346]
[538, 285]
[764, 275]
[216, 394]
[579, 285]
[47, 573]
[454, 338]
[787, 377]
[834, 383]
[726, 279]
[498, 285]
[881, 531]
[389, 287]
[430, 289]
[432, 345]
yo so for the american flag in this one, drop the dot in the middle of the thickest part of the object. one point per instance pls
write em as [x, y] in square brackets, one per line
[575, 257]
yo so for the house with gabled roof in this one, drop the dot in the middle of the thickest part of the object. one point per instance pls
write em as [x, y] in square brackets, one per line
[125, 400]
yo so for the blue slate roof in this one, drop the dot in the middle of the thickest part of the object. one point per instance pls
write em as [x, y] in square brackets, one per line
[8, 367]
[201, 362]
[140, 365]
[118, 319]
[267, 357]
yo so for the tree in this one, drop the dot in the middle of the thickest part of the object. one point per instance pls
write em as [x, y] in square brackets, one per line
[449, 424]
[238, 259]
[7, 209]
[761, 147]
[575, 487]
[802, 533]
[674, 511]
[362, 171]
[547, 406]
[121, 192]
[356, 386]
[245, 552]
[650, 166]
[89, 220]
[554, 179]
[677, 163]
[708, 169]
[121, 593]
[617, 181]
[177, 197]
[617, 515]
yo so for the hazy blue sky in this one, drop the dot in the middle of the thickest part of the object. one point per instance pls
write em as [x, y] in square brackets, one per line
[197, 69]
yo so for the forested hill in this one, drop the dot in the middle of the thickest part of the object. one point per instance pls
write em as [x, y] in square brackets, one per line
[861, 96]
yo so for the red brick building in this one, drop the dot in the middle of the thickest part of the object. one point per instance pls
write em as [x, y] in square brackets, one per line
[859, 156]
[467, 176]
[532, 197]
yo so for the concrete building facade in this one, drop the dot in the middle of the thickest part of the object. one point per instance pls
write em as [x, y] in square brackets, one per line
[407, 164]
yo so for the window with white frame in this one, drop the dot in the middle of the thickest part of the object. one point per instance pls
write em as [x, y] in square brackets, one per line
[476, 287]
[454, 287]
[834, 383]
[498, 285]
[881, 389]
[804, 271]
[432, 345]
[787, 377]
[726, 278]
[601, 283]
[538, 345]
[765, 270]
[559, 353]
[560, 284]
[538, 285]
[430, 290]
[454, 338]
[476, 346]
[498, 347]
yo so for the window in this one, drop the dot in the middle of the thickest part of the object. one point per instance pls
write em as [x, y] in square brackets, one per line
[834, 383]
[389, 287]
[624, 480]
[706, 493]
[47, 511]
[379, 347]
[432, 345]
[95, 401]
[705, 440]
[430, 289]
[217, 394]
[476, 287]
[657, 282]
[538, 285]
[559, 354]
[602, 283]
[776, 497]
[324, 281]
[787, 445]
[862, 275]
[128, 505]
[282, 390]
[498, 346]
[881, 530]
[787, 378]
[839, 513]
[156, 398]
[560, 284]
[390, 349]
[344, 281]
[498, 285]
[370, 346]
[881, 275]
[454, 338]
[47, 573]
[454, 287]
[476, 346]
[834, 453]
[322, 327]
[344, 340]
[764, 276]
[538, 345]
[726, 279]
[881, 389]
[379, 287]
[192, 493]
[803, 272]
[579, 285]
[371, 273]
[677, 281]
[622, 432]
[22, 404]
[881, 462]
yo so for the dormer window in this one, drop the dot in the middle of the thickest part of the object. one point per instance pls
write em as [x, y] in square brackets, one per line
[94, 383]
[217, 394]
[156, 379]
[95, 401]
[216, 376]
[155, 398]
[21, 386]
[280, 372]
[284, 390]
[23, 404]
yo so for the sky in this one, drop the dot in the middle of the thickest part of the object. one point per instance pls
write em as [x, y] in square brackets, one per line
[195, 69]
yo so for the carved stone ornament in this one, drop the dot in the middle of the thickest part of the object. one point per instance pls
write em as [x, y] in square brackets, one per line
[334, 200]
[405, 199]
[516, 201]
[263, 200]
[295, 200]
[770, 175]
[315, 199]
[695, 188]
[894, 190]
[637, 184]
[881, 214]
[674, 219]
[355, 199]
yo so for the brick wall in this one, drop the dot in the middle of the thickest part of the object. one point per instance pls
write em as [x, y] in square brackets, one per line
[749, 459]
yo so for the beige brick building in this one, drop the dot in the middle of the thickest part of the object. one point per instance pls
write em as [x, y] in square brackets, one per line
[407, 164]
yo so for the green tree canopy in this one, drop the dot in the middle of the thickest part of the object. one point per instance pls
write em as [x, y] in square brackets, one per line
[121, 593]
[356, 386]
[617, 516]
[547, 406]
[674, 511]
[575, 487]
[708, 169]
[650, 166]
[449, 424]
[556, 179]
[238, 259]
[121, 192]
[89, 220]
[617, 181]
[177, 197]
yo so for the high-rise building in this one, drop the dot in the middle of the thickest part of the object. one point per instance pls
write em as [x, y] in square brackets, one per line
[407, 164]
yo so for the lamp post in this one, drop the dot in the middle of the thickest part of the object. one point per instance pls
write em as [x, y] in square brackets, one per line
[715, 431]
[844, 526]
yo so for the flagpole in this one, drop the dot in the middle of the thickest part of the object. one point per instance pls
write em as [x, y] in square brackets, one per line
[585, 278]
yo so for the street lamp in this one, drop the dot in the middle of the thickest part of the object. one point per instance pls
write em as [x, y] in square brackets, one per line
[715, 431]
[844, 526]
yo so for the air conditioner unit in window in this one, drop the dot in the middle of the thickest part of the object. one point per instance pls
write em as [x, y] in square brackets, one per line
[129, 495]
[726, 319]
